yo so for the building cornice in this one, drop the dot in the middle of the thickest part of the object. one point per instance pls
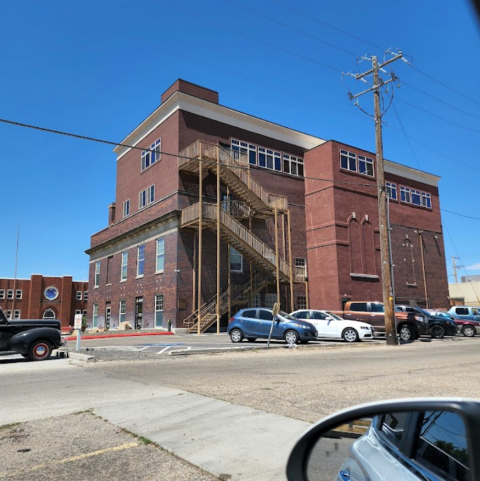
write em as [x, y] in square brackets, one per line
[219, 113]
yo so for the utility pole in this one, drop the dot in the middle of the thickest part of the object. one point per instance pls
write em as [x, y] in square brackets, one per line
[455, 267]
[385, 247]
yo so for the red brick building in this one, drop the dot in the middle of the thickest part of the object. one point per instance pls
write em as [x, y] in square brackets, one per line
[145, 266]
[44, 298]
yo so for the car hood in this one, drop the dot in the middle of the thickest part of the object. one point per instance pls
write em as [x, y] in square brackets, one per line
[32, 323]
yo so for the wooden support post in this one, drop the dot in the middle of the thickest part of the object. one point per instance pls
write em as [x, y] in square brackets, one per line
[228, 268]
[277, 258]
[200, 236]
[306, 295]
[194, 290]
[423, 269]
[290, 260]
[251, 266]
[218, 240]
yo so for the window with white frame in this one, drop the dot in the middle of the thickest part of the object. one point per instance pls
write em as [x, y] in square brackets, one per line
[301, 302]
[160, 262]
[126, 208]
[9, 314]
[84, 312]
[270, 300]
[124, 268]
[85, 295]
[405, 194]
[426, 200]
[245, 149]
[146, 197]
[97, 274]
[360, 164]
[158, 310]
[140, 260]
[122, 310]
[18, 294]
[300, 268]
[16, 314]
[2, 293]
[416, 197]
[269, 159]
[236, 260]
[152, 155]
[391, 190]
[49, 314]
[79, 295]
[292, 165]
[10, 294]
[78, 311]
[95, 316]
[256, 301]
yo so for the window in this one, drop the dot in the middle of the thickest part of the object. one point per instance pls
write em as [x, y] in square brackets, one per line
[146, 197]
[236, 261]
[10, 294]
[292, 165]
[300, 269]
[243, 148]
[126, 208]
[365, 165]
[426, 200]
[49, 314]
[16, 314]
[97, 274]
[78, 311]
[270, 300]
[122, 310]
[262, 158]
[250, 314]
[269, 159]
[85, 295]
[416, 197]
[348, 161]
[461, 311]
[159, 310]
[256, 301]
[405, 194]
[442, 445]
[9, 314]
[140, 260]
[149, 157]
[359, 306]
[391, 190]
[95, 316]
[123, 275]
[265, 315]
[301, 302]
[84, 312]
[18, 294]
[377, 307]
[2, 293]
[160, 265]
[79, 295]
[392, 427]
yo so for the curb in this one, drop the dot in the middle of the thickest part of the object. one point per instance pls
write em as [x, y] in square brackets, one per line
[133, 334]
[73, 355]
[216, 350]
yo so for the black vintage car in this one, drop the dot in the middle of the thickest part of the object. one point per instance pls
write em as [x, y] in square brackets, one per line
[32, 338]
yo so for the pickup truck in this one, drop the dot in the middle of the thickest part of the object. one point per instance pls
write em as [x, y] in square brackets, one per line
[438, 326]
[409, 326]
[32, 338]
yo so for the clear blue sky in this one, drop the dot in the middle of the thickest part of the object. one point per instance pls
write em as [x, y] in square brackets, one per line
[99, 68]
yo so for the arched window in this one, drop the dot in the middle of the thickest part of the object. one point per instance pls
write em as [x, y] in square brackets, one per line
[49, 314]
[369, 253]
[355, 241]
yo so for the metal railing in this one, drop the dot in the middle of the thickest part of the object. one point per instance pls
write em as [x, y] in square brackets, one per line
[209, 213]
[237, 163]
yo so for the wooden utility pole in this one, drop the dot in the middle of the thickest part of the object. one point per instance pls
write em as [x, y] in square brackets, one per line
[218, 240]
[290, 260]
[277, 258]
[454, 269]
[200, 236]
[420, 232]
[385, 248]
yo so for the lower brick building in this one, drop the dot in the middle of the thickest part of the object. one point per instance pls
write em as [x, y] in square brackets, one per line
[44, 298]
[207, 197]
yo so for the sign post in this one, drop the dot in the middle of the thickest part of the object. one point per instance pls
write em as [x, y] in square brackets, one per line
[78, 326]
[275, 311]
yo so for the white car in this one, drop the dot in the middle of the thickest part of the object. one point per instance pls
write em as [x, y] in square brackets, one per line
[331, 326]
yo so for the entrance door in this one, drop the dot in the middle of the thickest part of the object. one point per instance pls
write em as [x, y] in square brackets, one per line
[108, 313]
[138, 312]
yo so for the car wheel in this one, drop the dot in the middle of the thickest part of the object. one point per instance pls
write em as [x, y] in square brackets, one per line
[437, 332]
[468, 331]
[291, 337]
[406, 333]
[236, 335]
[251, 339]
[39, 350]
[350, 335]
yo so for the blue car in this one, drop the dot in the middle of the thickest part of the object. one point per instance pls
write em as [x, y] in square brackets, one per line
[256, 323]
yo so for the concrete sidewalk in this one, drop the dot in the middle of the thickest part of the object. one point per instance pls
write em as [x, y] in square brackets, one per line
[230, 441]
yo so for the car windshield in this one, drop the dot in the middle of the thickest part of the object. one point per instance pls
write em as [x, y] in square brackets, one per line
[287, 316]
[334, 316]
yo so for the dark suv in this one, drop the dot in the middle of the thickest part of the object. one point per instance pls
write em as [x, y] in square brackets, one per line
[438, 326]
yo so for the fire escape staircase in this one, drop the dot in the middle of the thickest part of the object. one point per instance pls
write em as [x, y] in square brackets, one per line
[240, 294]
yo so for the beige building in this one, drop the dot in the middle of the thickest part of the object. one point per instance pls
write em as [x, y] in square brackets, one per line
[465, 293]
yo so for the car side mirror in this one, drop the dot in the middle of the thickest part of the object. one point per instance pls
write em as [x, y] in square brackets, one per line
[394, 440]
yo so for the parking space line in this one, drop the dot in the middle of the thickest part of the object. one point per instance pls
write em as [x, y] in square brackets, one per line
[163, 350]
[143, 348]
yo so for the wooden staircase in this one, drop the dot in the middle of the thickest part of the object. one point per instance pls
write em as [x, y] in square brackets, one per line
[240, 294]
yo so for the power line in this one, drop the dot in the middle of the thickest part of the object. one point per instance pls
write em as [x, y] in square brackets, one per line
[143, 149]
[285, 25]
[461, 215]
